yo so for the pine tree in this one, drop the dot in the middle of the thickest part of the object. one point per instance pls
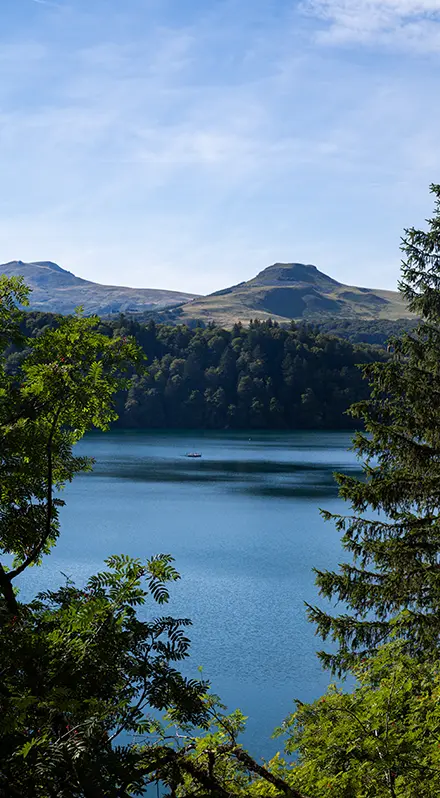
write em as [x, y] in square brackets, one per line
[391, 586]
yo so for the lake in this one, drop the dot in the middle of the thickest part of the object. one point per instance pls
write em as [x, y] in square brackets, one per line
[244, 527]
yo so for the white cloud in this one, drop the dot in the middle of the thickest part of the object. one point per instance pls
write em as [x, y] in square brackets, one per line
[413, 24]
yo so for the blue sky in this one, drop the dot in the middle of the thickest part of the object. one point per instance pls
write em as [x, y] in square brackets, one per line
[188, 144]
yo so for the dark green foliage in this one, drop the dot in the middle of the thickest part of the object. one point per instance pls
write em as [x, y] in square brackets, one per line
[391, 587]
[13, 292]
[257, 377]
[379, 740]
[262, 376]
[77, 666]
[376, 332]
[81, 674]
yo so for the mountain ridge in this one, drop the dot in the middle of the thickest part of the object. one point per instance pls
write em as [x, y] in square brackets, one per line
[57, 290]
[281, 291]
[292, 291]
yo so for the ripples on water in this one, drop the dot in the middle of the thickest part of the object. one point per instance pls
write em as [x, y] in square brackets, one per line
[243, 524]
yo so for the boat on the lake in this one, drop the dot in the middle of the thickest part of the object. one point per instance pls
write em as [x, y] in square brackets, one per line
[193, 454]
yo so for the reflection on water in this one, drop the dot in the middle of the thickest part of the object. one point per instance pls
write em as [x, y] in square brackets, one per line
[257, 477]
[266, 466]
[244, 526]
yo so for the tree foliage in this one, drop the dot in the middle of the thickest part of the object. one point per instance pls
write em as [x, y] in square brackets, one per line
[80, 672]
[262, 376]
[78, 667]
[64, 387]
[376, 332]
[391, 585]
[379, 741]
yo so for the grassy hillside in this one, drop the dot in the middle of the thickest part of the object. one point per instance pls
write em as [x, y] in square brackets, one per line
[282, 292]
[288, 291]
[56, 290]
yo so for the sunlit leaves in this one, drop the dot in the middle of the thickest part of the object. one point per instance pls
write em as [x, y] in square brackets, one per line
[381, 739]
[65, 386]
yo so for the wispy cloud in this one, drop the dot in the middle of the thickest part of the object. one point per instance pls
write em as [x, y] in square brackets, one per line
[139, 143]
[50, 3]
[401, 23]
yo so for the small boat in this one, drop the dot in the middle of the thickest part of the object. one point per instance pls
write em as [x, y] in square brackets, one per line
[193, 454]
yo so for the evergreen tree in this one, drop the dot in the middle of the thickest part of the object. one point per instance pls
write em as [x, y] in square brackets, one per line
[391, 586]
[281, 364]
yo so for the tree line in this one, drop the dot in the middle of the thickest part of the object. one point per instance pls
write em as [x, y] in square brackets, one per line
[375, 332]
[262, 376]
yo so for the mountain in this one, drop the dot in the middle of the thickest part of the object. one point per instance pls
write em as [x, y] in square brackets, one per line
[286, 291]
[56, 290]
[283, 291]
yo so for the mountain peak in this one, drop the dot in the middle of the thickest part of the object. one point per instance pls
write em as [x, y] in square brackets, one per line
[285, 291]
[44, 264]
[48, 264]
[292, 273]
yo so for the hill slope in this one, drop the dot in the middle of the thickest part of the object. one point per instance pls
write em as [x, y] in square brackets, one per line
[287, 291]
[283, 291]
[56, 290]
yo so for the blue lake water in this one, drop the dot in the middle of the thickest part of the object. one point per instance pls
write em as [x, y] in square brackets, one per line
[244, 527]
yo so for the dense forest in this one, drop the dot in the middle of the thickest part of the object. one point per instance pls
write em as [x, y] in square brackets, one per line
[376, 332]
[262, 376]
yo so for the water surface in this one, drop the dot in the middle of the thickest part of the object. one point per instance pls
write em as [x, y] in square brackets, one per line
[244, 527]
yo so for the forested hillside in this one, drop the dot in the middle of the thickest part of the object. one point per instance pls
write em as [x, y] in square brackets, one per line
[368, 331]
[262, 376]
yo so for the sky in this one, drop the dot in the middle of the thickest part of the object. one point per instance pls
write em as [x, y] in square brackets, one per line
[188, 144]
